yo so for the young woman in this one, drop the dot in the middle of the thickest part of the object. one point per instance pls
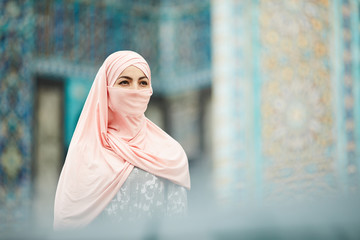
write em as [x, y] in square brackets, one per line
[119, 164]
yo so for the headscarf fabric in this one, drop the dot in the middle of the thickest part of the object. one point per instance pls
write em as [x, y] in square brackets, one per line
[111, 137]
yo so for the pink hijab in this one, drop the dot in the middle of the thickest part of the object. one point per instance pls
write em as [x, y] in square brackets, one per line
[111, 137]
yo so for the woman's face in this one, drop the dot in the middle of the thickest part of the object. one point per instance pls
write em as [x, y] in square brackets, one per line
[132, 78]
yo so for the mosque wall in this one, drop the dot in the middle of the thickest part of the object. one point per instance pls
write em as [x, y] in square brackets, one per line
[286, 99]
[16, 111]
[64, 42]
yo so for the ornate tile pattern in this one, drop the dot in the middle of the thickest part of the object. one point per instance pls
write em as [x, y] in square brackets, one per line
[16, 110]
[166, 33]
[292, 67]
[296, 98]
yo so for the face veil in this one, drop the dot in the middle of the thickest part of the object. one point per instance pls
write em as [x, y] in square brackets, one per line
[128, 102]
[111, 137]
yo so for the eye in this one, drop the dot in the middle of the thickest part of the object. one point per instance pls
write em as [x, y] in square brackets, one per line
[124, 82]
[144, 83]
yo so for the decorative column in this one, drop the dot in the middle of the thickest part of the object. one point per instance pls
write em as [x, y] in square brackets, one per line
[297, 99]
[347, 87]
[234, 104]
[16, 112]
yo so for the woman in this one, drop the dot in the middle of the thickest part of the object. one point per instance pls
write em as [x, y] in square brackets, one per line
[117, 155]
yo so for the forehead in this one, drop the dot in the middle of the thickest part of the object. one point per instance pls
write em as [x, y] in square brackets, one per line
[132, 70]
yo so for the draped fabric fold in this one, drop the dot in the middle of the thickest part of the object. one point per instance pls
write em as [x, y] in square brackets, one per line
[111, 137]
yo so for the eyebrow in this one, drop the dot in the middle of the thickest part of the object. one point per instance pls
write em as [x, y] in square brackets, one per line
[127, 77]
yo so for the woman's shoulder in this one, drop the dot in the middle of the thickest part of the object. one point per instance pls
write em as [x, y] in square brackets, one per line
[161, 135]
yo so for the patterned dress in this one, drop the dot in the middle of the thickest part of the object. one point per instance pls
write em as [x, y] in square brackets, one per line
[145, 196]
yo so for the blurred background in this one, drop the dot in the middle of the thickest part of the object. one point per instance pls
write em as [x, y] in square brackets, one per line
[264, 96]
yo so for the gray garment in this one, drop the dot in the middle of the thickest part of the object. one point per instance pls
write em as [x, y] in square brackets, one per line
[144, 195]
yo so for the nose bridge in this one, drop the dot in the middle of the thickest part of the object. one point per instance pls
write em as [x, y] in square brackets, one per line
[135, 84]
